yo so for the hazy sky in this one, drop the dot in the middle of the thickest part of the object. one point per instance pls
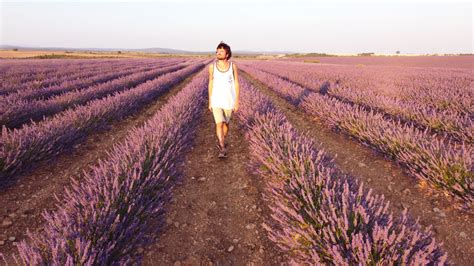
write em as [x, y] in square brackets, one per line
[299, 26]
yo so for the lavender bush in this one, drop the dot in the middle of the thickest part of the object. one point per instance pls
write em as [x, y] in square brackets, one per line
[420, 98]
[104, 218]
[17, 76]
[37, 141]
[17, 112]
[55, 85]
[318, 215]
[434, 160]
[69, 72]
[441, 88]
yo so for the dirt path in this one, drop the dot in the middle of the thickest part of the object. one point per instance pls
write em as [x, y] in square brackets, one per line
[217, 209]
[32, 193]
[451, 226]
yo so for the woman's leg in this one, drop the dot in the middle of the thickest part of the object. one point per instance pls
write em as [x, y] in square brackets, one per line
[225, 129]
[220, 133]
[227, 115]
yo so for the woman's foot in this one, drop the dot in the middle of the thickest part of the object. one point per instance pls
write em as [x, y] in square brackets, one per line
[222, 151]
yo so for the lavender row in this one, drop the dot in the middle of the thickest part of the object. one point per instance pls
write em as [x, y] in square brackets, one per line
[58, 85]
[105, 217]
[19, 112]
[457, 125]
[436, 62]
[19, 148]
[71, 72]
[39, 78]
[444, 91]
[15, 69]
[318, 215]
[446, 166]
[436, 89]
[440, 89]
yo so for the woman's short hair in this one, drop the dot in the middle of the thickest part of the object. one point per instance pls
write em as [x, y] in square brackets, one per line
[226, 47]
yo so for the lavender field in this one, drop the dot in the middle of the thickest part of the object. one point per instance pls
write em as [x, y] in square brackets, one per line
[347, 161]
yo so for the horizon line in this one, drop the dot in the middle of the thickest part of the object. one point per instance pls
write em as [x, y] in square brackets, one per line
[13, 46]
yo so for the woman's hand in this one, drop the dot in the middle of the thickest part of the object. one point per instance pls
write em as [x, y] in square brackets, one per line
[236, 107]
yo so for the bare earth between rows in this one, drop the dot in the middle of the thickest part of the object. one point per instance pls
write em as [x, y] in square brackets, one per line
[217, 209]
[451, 226]
[216, 212]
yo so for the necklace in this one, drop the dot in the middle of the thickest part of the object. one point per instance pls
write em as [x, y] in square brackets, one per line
[221, 66]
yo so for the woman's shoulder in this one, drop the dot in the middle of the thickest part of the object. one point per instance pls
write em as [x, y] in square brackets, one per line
[211, 67]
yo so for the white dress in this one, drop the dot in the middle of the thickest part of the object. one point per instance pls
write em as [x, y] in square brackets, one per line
[223, 88]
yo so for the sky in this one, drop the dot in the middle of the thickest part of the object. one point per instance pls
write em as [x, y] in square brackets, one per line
[294, 26]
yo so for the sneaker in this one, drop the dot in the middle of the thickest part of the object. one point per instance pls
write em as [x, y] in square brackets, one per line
[222, 152]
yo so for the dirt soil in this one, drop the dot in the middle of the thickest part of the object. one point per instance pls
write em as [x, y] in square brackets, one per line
[451, 226]
[33, 192]
[217, 209]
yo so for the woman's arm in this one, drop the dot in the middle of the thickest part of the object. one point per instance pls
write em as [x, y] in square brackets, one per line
[237, 88]
[211, 72]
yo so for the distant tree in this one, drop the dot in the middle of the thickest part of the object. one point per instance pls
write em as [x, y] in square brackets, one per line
[397, 52]
[16, 49]
[119, 52]
[317, 54]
